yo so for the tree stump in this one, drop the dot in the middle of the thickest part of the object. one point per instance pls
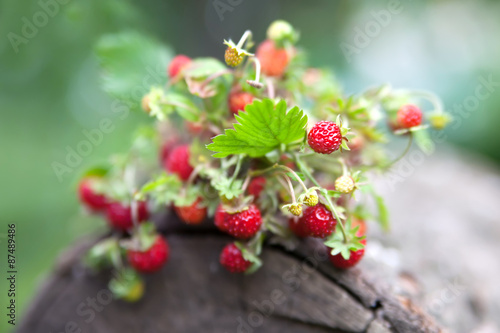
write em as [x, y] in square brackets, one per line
[294, 291]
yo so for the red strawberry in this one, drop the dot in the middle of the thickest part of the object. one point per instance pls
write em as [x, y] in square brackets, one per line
[409, 116]
[298, 227]
[287, 161]
[178, 162]
[256, 186]
[362, 227]
[273, 60]
[151, 260]
[167, 147]
[238, 100]
[232, 259]
[244, 224]
[193, 214]
[177, 65]
[194, 128]
[89, 197]
[339, 261]
[120, 216]
[324, 137]
[220, 218]
[357, 143]
[319, 221]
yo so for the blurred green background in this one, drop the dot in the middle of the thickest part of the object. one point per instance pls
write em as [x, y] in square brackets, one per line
[50, 93]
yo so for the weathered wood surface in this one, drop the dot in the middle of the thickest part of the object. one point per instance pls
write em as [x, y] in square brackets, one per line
[442, 254]
[293, 292]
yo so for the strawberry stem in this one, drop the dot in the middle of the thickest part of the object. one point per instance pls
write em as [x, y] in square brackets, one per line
[407, 149]
[243, 39]
[237, 169]
[324, 193]
[284, 167]
[256, 83]
[290, 187]
[432, 98]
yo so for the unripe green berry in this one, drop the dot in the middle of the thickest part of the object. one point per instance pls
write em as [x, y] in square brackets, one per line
[135, 293]
[295, 209]
[439, 120]
[311, 200]
[279, 30]
[344, 184]
[232, 57]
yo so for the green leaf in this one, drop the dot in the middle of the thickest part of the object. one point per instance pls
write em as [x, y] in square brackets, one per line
[125, 283]
[262, 128]
[227, 188]
[164, 189]
[164, 104]
[299, 174]
[337, 244]
[424, 141]
[186, 108]
[127, 60]
[203, 67]
[103, 254]
[96, 171]
[249, 256]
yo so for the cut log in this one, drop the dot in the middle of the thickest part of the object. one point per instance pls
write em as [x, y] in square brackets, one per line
[294, 291]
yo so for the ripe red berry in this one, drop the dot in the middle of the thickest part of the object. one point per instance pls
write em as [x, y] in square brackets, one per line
[193, 214]
[232, 259]
[298, 227]
[244, 224]
[362, 227]
[178, 162]
[256, 186]
[177, 65]
[409, 116]
[324, 137]
[273, 60]
[319, 221]
[238, 100]
[194, 128]
[357, 143]
[152, 259]
[220, 218]
[89, 197]
[167, 147]
[339, 261]
[119, 216]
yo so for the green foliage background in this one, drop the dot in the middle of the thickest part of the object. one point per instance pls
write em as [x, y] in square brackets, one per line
[50, 90]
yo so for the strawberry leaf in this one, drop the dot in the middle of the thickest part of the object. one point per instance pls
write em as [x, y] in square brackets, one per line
[292, 176]
[423, 140]
[337, 244]
[128, 58]
[164, 189]
[204, 67]
[262, 128]
[248, 255]
[124, 283]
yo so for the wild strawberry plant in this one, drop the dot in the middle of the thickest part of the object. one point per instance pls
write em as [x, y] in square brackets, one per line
[264, 147]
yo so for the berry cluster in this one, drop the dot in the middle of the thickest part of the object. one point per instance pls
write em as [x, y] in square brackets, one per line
[226, 149]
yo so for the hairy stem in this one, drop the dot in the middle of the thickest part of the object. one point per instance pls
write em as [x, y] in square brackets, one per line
[407, 149]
